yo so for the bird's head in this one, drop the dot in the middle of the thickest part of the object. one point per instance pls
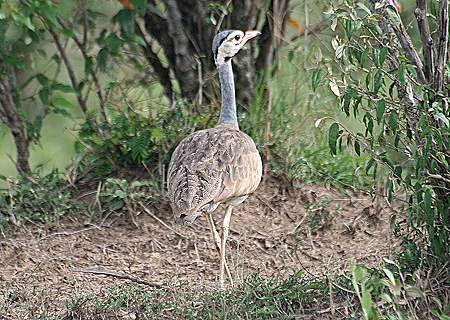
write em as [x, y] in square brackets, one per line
[226, 44]
[186, 218]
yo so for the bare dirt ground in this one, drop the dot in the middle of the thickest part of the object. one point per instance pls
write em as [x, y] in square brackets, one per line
[277, 231]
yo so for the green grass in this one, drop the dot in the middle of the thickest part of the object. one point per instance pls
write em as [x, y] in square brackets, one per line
[255, 298]
[368, 294]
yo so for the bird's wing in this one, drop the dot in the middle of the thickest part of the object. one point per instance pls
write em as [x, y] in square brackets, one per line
[211, 166]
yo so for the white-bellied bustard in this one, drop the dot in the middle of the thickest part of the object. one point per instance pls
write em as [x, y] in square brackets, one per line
[220, 164]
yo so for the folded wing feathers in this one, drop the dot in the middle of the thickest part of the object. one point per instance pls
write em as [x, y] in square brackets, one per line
[211, 165]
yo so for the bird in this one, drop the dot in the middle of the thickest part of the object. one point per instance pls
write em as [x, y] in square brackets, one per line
[219, 165]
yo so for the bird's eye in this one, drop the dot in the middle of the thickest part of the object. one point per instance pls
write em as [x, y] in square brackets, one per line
[237, 38]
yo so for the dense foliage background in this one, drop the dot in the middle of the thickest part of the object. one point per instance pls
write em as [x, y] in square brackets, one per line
[349, 94]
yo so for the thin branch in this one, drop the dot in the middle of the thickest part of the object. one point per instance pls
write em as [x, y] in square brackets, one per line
[161, 72]
[442, 46]
[123, 276]
[438, 177]
[69, 68]
[162, 222]
[403, 37]
[427, 40]
[85, 22]
[157, 27]
[222, 16]
[66, 233]
[82, 46]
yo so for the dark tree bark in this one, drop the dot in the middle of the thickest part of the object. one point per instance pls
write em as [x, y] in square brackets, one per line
[184, 32]
[10, 116]
[442, 45]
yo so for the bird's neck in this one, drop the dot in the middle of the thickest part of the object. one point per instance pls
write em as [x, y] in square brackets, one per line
[228, 111]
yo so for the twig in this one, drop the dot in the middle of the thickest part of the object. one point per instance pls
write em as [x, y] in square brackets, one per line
[69, 68]
[305, 33]
[405, 40]
[330, 293]
[85, 22]
[200, 81]
[438, 177]
[268, 205]
[299, 224]
[94, 270]
[161, 72]
[308, 254]
[65, 233]
[427, 40]
[222, 16]
[81, 44]
[162, 222]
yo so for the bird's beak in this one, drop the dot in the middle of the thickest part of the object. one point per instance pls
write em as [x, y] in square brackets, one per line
[250, 35]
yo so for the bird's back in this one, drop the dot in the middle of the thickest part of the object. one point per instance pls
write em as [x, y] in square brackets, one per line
[212, 166]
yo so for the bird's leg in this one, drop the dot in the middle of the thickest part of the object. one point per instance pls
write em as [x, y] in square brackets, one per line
[225, 229]
[218, 242]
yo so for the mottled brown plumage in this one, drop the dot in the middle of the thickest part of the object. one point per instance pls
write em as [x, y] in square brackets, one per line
[217, 165]
[210, 167]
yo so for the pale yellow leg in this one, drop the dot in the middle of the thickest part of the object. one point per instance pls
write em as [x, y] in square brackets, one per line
[218, 242]
[225, 229]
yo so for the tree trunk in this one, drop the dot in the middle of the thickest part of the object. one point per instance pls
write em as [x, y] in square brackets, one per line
[9, 114]
[184, 31]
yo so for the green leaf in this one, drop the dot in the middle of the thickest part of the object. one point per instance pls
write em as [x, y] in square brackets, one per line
[67, 32]
[443, 118]
[44, 95]
[316, 77]
[20, 19]
[381, 107]
[390, 276]
[62, 102]
[359, 273]
[290, 55]
[382, 54]
[401, 73]
[42, 79]
[363, 7]
[377, 81]
[357, 148]
[125, 19]
[367, 304]
[370, 164]
[333, 134]
[62, 87]
[102, 58]
[88, 63]
[389, 190]
[364, 56]
[114, 44]
[157, 134]
[393, 121]
[346, 103]
[349, 28]
[386, 297]
[414, 292]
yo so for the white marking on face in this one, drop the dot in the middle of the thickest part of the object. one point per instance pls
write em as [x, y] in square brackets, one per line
[230, 47]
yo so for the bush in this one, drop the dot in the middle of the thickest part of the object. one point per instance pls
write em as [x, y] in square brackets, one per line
[405, 118]
[137, 138]
[36, 198]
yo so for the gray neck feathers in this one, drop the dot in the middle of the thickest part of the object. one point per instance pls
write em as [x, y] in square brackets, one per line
[228, 110]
